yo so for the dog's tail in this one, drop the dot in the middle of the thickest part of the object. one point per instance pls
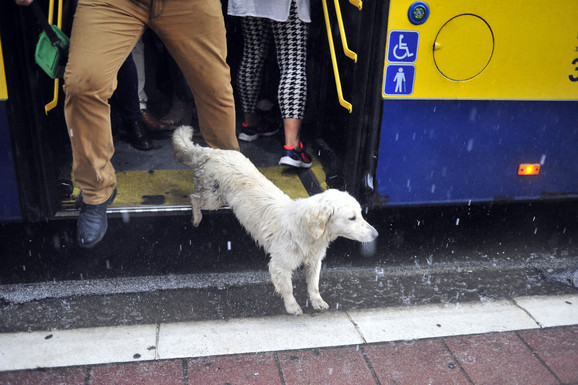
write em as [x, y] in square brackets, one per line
[187, 152]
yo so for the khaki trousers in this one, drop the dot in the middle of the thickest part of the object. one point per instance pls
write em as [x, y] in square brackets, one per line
[103, 35]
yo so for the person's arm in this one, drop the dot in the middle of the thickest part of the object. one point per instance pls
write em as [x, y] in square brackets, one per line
[23, 2]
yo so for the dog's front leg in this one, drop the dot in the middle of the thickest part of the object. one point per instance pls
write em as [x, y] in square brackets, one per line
[312, 272]
[281, 278]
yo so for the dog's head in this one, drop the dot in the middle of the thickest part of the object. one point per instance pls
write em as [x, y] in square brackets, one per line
[336, 214]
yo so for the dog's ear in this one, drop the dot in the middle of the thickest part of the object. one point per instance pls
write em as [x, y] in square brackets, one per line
[317, 217]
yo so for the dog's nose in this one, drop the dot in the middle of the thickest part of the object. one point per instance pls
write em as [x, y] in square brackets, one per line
[374, 233]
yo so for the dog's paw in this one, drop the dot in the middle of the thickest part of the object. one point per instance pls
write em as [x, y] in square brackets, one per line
[293, 308]
[319, 304]
[197, 217]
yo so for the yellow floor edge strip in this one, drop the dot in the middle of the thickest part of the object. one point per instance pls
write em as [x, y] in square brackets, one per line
[172, 187]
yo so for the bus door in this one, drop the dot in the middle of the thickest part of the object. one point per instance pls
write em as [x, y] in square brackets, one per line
[10, 206]
[148, 181]
[33, 141]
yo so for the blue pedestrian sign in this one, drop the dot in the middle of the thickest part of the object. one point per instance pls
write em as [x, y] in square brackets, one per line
[402, 46]
[399, 79]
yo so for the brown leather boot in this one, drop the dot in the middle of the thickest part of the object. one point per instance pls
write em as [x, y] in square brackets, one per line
[154, 126]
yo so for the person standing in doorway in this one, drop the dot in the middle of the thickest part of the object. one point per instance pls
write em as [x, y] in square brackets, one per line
[103, 35]
[288, 22]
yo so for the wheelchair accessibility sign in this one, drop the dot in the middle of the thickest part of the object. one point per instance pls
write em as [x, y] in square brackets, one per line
[399, 75]
[402, 47]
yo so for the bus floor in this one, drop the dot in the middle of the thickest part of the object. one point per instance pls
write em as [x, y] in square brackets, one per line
[154, 180]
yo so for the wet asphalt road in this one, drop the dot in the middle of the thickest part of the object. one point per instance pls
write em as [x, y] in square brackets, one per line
[161, 269]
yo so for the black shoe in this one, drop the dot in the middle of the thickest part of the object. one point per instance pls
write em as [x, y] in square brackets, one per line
[138, 135]
[251, 133]
[92, 223]
[296, 158]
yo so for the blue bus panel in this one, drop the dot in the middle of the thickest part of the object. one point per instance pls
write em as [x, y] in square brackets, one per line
[452, 151]
[9, 202]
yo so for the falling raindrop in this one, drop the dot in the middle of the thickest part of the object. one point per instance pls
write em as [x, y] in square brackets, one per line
[457, 221]
[473, 114]
[470, 145]
[228, 245]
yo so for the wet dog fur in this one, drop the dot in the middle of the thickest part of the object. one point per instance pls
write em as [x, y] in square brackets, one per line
[293, 232]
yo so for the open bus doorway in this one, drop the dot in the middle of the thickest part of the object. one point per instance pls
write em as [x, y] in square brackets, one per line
[148, 181]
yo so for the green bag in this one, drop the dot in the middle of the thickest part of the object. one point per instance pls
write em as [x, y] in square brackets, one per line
[52, 47]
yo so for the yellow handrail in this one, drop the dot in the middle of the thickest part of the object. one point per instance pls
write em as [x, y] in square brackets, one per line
[54, 100]
[342, 101]
[349, 53]
[357, 3]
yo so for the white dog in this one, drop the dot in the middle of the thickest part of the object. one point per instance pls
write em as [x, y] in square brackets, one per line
[293, 232]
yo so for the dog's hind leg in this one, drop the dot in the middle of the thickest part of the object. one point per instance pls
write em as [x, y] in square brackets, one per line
[205, 197]
[196, 207]
[312, 272]
[281, 278]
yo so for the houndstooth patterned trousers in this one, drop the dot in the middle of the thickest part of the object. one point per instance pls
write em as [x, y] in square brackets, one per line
[291, 42]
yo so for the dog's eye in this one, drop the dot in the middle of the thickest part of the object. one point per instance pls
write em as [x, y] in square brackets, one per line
[353, 218]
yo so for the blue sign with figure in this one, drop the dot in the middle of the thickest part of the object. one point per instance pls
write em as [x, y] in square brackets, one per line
[399, 79]
[402, 46]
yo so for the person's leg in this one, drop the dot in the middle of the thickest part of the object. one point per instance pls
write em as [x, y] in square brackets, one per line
[152, 124]
[291, 43]
[102, 37]
[138, 54]
[292, 126]
[194, 34]
[126, 98]
[255, 46]
[256, 42]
